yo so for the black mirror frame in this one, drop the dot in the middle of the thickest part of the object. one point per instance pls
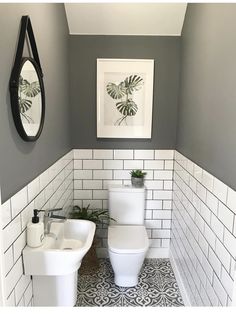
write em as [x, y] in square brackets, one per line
[26, 27]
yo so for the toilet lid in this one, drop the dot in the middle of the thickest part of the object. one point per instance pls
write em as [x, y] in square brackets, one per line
[127, 239]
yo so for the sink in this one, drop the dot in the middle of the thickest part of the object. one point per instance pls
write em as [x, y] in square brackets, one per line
[54, 265]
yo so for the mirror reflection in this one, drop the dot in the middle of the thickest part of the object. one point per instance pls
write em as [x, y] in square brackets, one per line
[30, 99]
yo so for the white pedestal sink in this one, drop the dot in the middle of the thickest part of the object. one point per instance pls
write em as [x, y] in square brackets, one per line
[54, 265]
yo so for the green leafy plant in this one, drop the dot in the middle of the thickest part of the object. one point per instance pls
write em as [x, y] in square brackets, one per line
[26, 92]
[138, 173]
[123, 91]
[97, 216]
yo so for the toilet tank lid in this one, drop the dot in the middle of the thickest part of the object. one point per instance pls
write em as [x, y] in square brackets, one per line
[125, 188]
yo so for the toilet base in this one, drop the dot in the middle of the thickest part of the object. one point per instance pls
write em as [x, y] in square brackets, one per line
[126, 281]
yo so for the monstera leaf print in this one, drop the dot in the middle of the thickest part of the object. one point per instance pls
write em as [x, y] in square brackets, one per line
[26, 92]
[127, 107]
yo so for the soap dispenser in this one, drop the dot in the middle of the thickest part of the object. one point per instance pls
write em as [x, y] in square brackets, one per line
[35, 231]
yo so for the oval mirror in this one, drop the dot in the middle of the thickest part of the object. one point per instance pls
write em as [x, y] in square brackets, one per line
[28, 100]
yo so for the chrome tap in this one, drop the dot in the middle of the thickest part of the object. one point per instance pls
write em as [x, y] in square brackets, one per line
[50, 218]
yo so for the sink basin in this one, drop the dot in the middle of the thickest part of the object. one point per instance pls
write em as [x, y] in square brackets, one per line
[54, 265]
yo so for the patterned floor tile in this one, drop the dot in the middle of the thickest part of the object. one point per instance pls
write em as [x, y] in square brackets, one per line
[156, 286]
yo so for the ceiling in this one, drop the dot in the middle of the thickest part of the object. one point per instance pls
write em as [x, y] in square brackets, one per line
[149, 19]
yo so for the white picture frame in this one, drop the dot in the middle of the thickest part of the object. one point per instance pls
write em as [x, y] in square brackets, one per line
[124, 98]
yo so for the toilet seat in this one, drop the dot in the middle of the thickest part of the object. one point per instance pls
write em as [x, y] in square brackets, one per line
[127, 239]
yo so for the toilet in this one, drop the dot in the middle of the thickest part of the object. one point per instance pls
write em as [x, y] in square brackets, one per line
[127, 236]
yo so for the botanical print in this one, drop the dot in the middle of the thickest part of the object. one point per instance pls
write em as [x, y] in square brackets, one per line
[26, 93]
[126, 92]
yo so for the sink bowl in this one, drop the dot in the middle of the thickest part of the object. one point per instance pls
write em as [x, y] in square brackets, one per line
[54, 265]
[63, 249]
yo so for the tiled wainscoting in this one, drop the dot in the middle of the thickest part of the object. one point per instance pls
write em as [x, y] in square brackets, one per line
[203, 243]
[95, 169]
[52, 189]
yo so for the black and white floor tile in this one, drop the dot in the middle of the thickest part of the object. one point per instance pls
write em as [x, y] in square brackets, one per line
[157, 286]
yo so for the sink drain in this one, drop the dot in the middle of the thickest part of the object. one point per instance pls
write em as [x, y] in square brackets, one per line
[67, 248]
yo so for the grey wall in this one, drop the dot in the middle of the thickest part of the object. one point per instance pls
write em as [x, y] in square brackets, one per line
[207, 108]
[20, 162]
[84, 50]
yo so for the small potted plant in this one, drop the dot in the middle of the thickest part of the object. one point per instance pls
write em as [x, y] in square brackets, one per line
[98, 216]
[137, 178]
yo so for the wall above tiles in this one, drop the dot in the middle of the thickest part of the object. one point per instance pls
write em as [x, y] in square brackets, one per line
[155, 19]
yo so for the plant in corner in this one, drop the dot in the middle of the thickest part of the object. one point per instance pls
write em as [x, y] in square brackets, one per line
[137, 178]
[98, 216]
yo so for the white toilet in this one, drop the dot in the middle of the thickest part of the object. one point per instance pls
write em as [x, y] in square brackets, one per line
[127, 237]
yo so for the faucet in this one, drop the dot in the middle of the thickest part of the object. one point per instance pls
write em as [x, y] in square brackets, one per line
[50, 218]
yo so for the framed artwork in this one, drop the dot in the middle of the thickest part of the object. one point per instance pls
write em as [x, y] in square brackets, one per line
[124, 98]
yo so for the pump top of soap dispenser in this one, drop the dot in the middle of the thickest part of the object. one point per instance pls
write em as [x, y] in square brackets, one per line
[35, 219]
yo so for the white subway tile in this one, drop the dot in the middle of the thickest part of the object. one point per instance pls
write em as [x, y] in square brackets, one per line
[220, 190]
[33, 189]
[190, 167]
[77, 184]
[167, 204]
[92, 184]
[155, 243]
[122, 174]
[133, 164]
[154, 164]
[197, 172]
[223, 254]
[164, 154]
[217, 227]
[144, 154]
[231, 200]
[230, 243]
[103, 154]
[163, 175]
[161, 214]
[6, 213]
[83, 194]
[11, 232]
[100, 195]
[153, 224]
[107, 183]
[13, 276]
[150, 204]
[149, 175]
[207, 180]
[154, 184]
[210, 236]
[169, 165]
[220, 291]
[28, 294]
[168, 185]
[166, 195]
[18, 246]
[123, 154]
[92, 164]
[77, 164]
[102, 174]
[215, 262]
[21, 287]
[113, 164]
[149, 195]
[160, 233]
[165, 243]
[19, 201]
[83, 154]
[26, 215]
[8, 260]
[226, 216]
[83, 174]
[166, 224]
[205, 213]
[201, 192]
[227, 282]
[212, 202]
[148, 214]
[193, 184]
[10, 301]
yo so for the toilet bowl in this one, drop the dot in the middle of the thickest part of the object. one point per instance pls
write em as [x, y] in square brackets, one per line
[127, 247]
[127, 237]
